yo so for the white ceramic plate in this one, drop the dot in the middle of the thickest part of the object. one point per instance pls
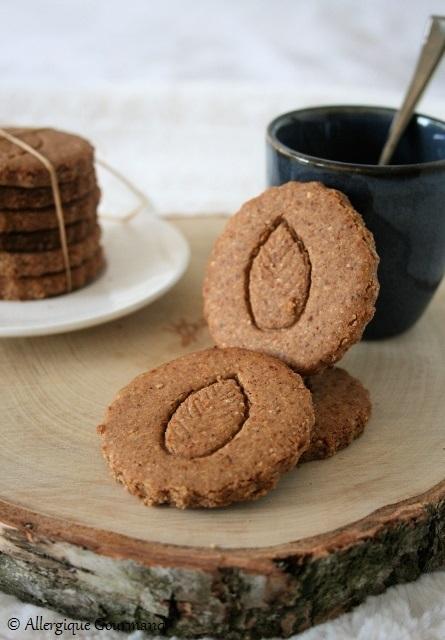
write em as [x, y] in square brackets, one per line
[145, 257]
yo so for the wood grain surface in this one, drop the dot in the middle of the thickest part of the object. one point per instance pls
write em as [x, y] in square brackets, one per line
[331, 534]
[55, 389]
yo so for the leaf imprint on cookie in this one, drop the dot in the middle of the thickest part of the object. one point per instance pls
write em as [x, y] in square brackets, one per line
[279, 279]
[206, 420]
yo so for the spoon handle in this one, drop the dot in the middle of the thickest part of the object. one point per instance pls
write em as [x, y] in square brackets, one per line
[430, 55]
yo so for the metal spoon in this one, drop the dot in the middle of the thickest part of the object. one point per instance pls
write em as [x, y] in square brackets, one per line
[430, 55]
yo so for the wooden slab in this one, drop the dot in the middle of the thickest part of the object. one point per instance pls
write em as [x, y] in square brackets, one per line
[53, 479]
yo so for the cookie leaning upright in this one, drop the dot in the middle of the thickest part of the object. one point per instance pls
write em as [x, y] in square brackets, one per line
[294, 275]
[33, 261]
[208, 429]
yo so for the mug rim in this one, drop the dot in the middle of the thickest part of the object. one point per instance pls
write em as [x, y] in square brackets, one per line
[306, 159]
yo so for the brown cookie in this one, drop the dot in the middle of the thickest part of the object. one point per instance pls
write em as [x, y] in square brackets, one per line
[20, 198]
[342, 409]
[208, 429]
[19, 265]
[47, 240]
[293, 275]
[13, 220]
[70, 155]
[53, 284]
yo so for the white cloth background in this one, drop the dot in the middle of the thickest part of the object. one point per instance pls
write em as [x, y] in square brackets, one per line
[177, 95]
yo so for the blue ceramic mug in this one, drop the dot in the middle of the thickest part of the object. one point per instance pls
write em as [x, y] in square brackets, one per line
[403, 204]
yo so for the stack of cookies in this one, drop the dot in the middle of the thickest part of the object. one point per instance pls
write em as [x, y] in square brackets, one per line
[290, 285]
[32, 262]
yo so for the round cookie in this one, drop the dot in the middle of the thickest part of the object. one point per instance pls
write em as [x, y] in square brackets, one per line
[208, 429]
[52, 284]
[294, 274]
[46, 240]
[19, 265]
[70, 155]
[342, 408]
[15, 220]
[36, 198]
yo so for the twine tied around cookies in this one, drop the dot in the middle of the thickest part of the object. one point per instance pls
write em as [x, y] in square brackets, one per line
[144, 202]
